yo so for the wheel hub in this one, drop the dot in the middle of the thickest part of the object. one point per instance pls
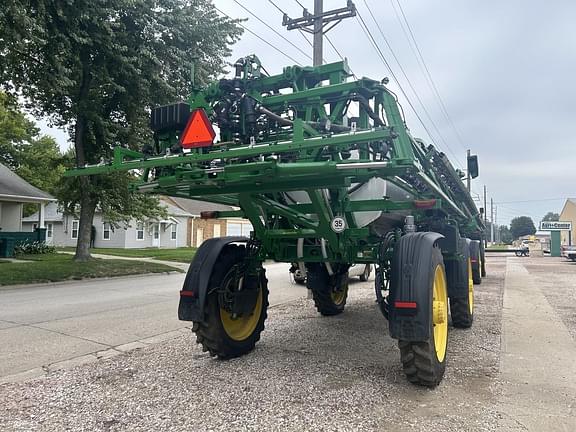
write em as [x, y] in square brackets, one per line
[439, 312]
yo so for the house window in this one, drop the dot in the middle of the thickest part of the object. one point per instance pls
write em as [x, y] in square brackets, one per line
[75, 225]
[216, 230]
[49, 230]
[140, 231]
[234, 229]
[105, 231]
[174, 232]
[239, 229]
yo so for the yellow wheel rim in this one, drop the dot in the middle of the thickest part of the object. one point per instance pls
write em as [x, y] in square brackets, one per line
[470, 288]
[339, 296]
[440, 312]
[241, 328]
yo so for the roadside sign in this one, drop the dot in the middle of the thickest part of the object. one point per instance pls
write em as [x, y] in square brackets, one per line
[555, 226]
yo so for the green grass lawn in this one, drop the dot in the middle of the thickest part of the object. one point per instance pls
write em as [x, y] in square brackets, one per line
[184, 254]
[498, 248]
[59, 267]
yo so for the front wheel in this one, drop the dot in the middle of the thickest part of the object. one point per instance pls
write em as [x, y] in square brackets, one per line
[236, 306]
[424, 363]
[329, 291]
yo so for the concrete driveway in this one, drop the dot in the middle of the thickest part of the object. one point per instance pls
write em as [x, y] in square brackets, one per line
[47, 327]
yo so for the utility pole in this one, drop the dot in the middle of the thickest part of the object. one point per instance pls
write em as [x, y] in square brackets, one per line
[485, 208]
[491, 220]
[467, 170]
[496, 224]
[316, 24]
[485, 211]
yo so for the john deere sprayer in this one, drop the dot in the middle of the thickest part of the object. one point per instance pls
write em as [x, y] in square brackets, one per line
[328, 174]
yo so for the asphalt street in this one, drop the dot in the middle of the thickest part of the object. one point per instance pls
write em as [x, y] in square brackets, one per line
[48, 327]
[514, 370]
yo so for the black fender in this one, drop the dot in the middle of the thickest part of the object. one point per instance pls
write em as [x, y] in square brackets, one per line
[194, 291]
[410, 285]
[457, 271]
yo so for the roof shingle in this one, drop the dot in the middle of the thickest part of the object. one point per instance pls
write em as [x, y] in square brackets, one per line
[15, 188]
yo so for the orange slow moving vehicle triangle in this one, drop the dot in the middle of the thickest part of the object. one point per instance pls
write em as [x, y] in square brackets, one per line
[199, 131]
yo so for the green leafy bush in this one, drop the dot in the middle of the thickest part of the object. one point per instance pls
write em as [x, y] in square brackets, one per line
[33, 248]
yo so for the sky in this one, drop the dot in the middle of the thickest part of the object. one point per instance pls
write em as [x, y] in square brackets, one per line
[505, 72]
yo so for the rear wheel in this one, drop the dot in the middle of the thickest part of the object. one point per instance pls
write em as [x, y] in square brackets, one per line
[328, 291]
[235, 309]
[476, 259]
[424, 363]
[482, 259]
[462, 307]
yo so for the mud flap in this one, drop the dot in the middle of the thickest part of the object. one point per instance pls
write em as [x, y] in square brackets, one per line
[410, 293]
[194, 291]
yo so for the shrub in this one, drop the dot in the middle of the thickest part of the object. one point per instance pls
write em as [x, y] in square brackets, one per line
[33, 248]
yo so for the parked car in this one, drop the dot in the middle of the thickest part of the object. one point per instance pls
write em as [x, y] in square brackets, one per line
[361, 271]
[569, 252]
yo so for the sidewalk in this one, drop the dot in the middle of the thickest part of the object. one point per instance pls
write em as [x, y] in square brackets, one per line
[537, 359]
[176, 264]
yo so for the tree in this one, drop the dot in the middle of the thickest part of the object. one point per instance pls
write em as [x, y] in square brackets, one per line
[522, 225]
[505, 235]
[41, 163]
[551, 216]
[97, 67]
[34, 157]
[15, 129]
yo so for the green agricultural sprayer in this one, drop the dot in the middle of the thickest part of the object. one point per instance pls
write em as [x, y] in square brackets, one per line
[328, 174]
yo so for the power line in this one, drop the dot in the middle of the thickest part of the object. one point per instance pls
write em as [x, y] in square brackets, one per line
[422, 64]
[533, 200]
[272, 28]
[372, 41]
[339, 55]
[261, 38]
[276, 6]
[300, 4]
[284, 13]
[299, 31]
[329, 41]
[410, 82]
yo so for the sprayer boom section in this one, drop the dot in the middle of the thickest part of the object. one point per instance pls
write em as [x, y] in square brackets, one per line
[323, 167]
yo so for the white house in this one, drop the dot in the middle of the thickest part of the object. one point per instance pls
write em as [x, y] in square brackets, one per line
[62, 229]
[203, 229]
[14, 193]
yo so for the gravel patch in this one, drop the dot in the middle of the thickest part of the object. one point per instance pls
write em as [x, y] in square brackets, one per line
[308, 372]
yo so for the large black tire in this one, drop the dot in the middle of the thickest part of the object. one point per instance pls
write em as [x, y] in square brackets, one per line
[475, 257]
[462, 307]
[220, 334]
[328, 291]
[366, 275]
[483, 258]
[422, 362]
[299, 276]
[300, 281]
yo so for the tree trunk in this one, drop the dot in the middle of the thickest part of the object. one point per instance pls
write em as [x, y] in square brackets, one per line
[87, 210]
[88, 202]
